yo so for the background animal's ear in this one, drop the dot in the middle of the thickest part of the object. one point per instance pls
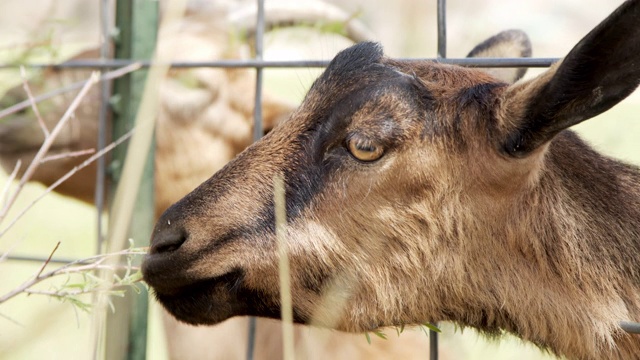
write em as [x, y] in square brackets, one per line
[507, 44]
[600, 71]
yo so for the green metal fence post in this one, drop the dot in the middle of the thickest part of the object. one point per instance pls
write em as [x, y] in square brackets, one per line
[137, 27]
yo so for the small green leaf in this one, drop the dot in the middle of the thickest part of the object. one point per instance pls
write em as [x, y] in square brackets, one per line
[366, 334]
[432, 327]
[77, 303]
[380, 334]
[132, 278]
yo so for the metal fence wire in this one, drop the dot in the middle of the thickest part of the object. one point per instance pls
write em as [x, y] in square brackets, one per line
[259, 64]
[105, 63]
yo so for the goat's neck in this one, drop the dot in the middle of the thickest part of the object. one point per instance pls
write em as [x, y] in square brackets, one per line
[565, 268]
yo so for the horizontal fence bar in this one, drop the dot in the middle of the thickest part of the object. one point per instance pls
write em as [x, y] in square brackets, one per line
[630, 327]
[253, 63]
[42, 259]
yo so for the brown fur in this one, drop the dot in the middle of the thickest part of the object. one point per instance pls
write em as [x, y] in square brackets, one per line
[482, 210]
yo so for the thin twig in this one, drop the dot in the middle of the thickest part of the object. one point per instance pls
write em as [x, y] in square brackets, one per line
[27, 89]
[44, 265]
[58, 294]
[94, 263]
[48, 141]
[7, 186]
[62, 294]
[11, 319]
[99, 266]
[75, 86]
[69, 154]
[71, 172]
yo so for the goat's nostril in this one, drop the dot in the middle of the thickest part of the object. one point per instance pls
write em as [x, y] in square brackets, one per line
[167, 240]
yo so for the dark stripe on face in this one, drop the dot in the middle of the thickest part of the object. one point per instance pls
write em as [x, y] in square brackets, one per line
[320, 150]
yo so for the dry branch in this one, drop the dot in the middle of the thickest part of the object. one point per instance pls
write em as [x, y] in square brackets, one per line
[75, 86]
[71, 172]
[40, 157]
[34, 106]
[83, 266]
[7, 186]
[68, 155]
[48, 141]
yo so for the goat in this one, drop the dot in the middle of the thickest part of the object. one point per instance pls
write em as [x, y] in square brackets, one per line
[19, 136]
[418, 191]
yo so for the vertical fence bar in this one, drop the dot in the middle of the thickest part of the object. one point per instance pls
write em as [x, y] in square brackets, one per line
[442, 29]
[442, 53]
[257, 115]
[257, 134]
[433, 345]
[137, 25]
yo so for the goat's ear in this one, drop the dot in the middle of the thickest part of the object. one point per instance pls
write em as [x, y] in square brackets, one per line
[507, 44]
[600, 71]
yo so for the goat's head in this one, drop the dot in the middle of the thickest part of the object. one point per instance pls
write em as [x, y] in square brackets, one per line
[398, 178]
[383, 116]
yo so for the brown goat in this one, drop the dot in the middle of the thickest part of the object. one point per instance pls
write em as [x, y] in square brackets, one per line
[417, 191]
[186, 342]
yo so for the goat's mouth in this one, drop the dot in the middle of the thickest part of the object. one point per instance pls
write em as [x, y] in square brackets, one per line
[211, 301]
[203, 302]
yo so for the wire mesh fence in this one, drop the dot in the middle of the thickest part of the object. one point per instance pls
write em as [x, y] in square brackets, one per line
[106, 63]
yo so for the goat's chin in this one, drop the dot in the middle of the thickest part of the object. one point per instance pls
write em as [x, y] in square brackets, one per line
[193, 313]
[205, 302]
[211, 301]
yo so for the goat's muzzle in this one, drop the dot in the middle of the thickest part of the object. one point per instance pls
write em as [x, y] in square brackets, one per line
[167, 269]
[190, 279]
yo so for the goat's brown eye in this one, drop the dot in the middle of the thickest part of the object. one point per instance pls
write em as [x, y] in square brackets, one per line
[364, 150]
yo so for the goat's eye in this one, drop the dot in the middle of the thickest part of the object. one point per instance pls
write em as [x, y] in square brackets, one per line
[364, 150]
